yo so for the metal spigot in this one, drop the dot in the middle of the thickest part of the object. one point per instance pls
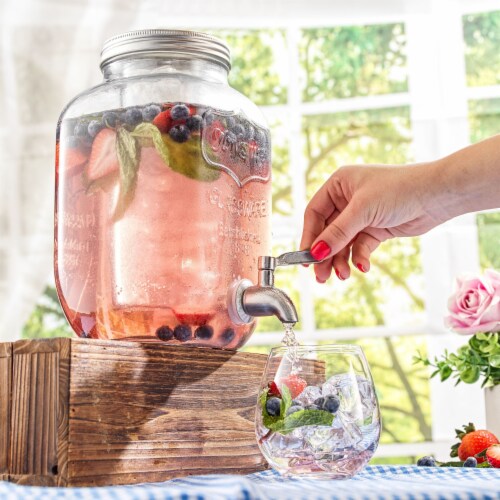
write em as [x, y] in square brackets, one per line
[246, 300]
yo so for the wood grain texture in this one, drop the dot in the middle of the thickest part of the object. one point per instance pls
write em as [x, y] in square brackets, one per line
[150, 412]
[5, 390]
[34, 411]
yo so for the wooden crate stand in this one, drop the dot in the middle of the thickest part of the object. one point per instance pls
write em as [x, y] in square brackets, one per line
[77, 412]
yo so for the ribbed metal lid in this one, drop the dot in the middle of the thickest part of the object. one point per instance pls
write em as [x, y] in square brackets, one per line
[175, 43]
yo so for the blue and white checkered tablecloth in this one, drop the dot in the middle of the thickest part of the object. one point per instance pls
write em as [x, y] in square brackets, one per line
[375, 482]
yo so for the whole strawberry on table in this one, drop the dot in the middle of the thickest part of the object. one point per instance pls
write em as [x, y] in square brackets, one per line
[476, 448]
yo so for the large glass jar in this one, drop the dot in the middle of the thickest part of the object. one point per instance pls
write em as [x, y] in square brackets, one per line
[163, 194]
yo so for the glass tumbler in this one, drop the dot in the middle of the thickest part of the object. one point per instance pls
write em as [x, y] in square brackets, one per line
[317, 412]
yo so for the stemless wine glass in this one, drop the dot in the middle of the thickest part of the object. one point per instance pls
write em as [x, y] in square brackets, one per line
[317, 412]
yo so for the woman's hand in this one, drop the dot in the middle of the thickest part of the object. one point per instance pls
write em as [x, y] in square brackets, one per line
[361, 206]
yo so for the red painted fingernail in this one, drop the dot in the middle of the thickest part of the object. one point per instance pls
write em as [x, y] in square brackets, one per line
[320, 281]
[339, 276]
[320, 250]
[361, 268]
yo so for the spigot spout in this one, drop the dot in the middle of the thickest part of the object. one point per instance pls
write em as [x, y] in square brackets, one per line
[269, 301]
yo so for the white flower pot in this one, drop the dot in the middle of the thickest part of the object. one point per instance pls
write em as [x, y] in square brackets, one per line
[492, 399]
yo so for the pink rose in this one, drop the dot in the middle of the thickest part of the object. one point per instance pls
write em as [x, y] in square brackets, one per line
[475, 305]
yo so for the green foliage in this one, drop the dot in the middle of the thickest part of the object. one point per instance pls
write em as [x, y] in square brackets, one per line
[484, 118]
[333, 140]
[255, 64]
[480, 357]
[482, 40]
[488, 226]
[282, 179]
[353, 61]
[47, 319]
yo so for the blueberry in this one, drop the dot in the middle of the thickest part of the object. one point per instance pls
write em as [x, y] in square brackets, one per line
[260, 137]
[133, 116]
[72, 141]
[179, 133]
[150, 112]
[165, 333]
[250, 133]
[238, 130]
[204, 332]
[470, 462]
[193, 123]
[297, 403]
[208, 117]
[81, 129]
[230, 122]
[227, 335]
[331, 404]
[273, 407]
[179, 112]
[293, 409]
[109, 118]
[426, 462]
[231, 138]
[319, 402]
[87, 141]
[182, 333]
[95, 126]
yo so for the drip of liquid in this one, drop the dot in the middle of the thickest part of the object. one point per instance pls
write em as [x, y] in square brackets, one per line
[290, 341]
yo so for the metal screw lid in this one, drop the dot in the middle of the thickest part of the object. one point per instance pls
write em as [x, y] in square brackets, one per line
[175, 43]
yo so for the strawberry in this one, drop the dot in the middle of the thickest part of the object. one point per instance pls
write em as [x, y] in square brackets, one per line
[273, 390]
[472, 442]
[193, 317]
[72, 160]
[493, 456]
[103, 160]
[163, 121]
[295, 384]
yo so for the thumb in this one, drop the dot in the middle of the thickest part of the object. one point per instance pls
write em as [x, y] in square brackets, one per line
[339, 233]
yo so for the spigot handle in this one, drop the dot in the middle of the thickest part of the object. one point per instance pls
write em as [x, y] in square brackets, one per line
[294, 258]
[287, 259]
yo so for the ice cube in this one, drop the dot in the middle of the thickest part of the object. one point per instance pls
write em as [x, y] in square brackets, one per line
[371, 434]
[309, 395]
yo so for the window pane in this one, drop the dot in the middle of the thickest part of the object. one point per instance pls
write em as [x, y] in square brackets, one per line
[259, 64]
[282, 180]
[402, 387]
[333, 140]
[488, 228]
[484, 120]
[353, 61]
[390, 294]
[482, 40]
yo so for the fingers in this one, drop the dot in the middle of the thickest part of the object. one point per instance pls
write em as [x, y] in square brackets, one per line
[341, 264]
[338, 234]
[318, 211]
[364, 245]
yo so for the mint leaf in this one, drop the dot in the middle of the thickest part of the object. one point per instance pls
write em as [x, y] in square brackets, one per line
[149, 136]
[302, 418]
[128, 159]
[286, 400]
[186, 158]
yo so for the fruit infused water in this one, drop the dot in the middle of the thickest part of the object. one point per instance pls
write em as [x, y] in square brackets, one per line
[159, 209]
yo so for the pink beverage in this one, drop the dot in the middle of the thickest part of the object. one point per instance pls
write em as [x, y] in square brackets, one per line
[174, 206]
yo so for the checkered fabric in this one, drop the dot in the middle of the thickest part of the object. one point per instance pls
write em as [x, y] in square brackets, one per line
[375, 482]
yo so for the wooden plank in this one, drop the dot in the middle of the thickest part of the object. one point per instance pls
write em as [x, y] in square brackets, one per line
[150, 412]
[61, 467]
[34, 413]
[5, 389]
